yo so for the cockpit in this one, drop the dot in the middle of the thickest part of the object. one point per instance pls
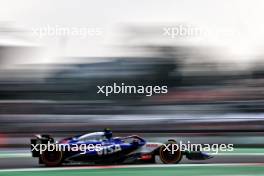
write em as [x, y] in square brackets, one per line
[93, 137]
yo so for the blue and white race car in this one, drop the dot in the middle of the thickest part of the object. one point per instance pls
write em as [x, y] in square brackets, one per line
[102, 148]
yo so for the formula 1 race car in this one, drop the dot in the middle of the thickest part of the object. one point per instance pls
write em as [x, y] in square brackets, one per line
[102, 148]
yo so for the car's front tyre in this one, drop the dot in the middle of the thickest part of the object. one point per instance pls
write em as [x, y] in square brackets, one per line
[169, 153]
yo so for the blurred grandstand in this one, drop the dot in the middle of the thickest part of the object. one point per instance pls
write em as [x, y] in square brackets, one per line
[205, 97]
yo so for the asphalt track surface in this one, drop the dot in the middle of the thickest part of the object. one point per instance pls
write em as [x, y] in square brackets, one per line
[242, 164]
[28, 162]
[246, 169]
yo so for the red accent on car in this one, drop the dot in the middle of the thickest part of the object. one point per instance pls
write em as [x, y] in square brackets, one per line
[152, 145]
[146, 157]
[64, 141]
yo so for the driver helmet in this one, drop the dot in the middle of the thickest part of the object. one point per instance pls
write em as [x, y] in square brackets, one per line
[108, 133]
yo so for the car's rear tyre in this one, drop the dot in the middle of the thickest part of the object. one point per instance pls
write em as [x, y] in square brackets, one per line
[170, 156]
[52, 158]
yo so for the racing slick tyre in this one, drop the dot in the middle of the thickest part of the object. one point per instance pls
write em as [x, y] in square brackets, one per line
[168, 154]
[52, 158]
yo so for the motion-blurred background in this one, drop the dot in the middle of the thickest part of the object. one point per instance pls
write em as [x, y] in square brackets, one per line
[53, 54]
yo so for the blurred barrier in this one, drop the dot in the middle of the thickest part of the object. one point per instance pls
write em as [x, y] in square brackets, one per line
[132, 123]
